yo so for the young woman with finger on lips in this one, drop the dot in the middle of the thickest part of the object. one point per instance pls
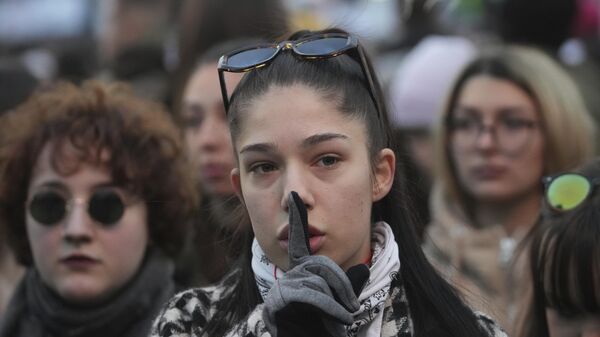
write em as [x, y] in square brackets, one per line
[512, 116]
[95, 195]
[332, 251]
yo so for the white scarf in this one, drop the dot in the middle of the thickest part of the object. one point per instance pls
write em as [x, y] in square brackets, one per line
[384, 265]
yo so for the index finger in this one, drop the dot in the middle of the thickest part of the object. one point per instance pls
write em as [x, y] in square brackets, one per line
[298, 244]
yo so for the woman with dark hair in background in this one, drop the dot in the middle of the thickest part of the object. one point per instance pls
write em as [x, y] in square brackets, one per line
[219, 223]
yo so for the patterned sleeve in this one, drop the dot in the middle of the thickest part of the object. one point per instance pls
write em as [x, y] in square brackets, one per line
[184, 315]
[252, 326]
[188, 312]
[489, 325]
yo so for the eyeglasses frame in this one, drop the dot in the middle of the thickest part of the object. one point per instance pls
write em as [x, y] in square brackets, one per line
[491, 128]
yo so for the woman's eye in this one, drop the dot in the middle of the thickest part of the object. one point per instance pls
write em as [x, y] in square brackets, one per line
[328, 161]
[262, 168]
[516, 123]
[464, 123]
[192, 122]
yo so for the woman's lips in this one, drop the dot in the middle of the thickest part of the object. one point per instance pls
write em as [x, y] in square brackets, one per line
[315, 239]
[214, 171]
[79, 262]
[488, 172]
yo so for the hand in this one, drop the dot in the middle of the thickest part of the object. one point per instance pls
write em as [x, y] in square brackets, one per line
[315, 294]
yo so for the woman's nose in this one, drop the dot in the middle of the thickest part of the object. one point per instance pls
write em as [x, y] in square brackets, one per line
[297, 180]
[486, 137]
[78, 226]
[214, 132]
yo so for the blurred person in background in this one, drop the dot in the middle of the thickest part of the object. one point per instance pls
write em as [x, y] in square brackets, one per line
[564, 259]
[17, 84]
[95, 195]
[202, 118]
[415, 20]
[417, 93]
[513, 116]
[132, 44]
[567, 30]
[205, 23]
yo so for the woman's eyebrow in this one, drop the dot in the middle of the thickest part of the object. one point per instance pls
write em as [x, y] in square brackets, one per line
[259, 147]
[54, 184]
[322, 137]
[466, 109]
[516, 109]
[193, 108]
[107, 184]
[309, 141]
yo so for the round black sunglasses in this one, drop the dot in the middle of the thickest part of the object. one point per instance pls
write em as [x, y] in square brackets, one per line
[49, 207]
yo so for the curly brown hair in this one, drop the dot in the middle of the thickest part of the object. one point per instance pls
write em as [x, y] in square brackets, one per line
[146, 155]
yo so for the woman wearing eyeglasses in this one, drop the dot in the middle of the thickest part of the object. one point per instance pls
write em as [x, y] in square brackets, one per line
[564, 259]
[94, 195]
[512, 116]
[333, 251]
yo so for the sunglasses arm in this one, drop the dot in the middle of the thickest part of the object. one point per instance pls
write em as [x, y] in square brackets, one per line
[224, 90]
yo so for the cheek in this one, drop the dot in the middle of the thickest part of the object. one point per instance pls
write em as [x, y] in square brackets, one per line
[44, 241]
[126, 245]
[134, 230]
[190, 141]
[529, 166]
[457, 159]
[263, 209]
[354, 207]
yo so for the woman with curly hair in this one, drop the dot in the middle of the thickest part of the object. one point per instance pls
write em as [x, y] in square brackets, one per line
[95, 195]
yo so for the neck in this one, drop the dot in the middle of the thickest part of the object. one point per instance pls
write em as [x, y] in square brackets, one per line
[514, 215]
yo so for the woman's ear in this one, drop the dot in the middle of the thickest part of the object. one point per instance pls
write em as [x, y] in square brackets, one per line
[236, 183]
[384, 170]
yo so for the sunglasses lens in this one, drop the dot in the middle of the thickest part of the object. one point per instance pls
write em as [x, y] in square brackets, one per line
[47, 208]
[106, 207]
[329, 45]
[251, 57]
[567, 191]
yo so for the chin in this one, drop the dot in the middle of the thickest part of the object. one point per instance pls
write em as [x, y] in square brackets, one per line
[494, 196]
[83, 292]
[82, 296]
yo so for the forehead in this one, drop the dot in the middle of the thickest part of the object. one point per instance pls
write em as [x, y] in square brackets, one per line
[204, 83]
[70, 168]
[284, 112]
[489, 92]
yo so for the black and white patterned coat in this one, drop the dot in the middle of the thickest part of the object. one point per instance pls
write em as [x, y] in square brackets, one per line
[186, 314]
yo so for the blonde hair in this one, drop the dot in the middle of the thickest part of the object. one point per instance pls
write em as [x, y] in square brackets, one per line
[567, 127]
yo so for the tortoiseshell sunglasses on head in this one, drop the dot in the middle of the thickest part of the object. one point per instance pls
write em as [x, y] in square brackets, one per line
[319, 46]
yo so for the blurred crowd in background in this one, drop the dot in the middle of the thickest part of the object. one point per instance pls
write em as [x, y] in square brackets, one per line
[419, 47]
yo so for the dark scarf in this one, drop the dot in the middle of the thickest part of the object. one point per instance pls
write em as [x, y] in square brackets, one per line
[36, 311]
